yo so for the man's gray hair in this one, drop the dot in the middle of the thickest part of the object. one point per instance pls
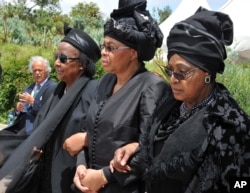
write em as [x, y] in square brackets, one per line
[45, 61]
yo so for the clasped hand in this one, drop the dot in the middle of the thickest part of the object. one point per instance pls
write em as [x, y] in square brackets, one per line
[24, 98]
[88, 180]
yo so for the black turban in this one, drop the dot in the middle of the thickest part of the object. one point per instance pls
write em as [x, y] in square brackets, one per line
[83, 42]
[201, 39]
[133, 25]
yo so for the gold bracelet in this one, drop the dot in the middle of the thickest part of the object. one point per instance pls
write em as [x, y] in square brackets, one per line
[104, 177]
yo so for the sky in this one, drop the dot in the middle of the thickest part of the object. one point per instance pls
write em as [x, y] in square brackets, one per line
[106, 6]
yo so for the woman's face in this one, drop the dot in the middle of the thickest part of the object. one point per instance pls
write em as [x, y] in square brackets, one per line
[193, 88]
[67, 63]
[116, 57]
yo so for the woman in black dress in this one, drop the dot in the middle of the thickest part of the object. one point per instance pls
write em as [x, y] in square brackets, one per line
[204, 145]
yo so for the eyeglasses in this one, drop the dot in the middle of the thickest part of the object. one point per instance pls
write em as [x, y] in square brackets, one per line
[112, 48]
[63, 58]
[180, 75]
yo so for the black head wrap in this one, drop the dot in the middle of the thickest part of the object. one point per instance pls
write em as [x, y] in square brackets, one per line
[133, 25]
[201, 39]
[83, 42]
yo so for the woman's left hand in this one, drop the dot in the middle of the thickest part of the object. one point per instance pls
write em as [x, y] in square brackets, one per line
[80, 174]
[94, 180]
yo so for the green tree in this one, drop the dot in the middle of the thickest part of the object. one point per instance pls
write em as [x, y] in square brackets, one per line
[10, 11]
[164, 13]
[40, 27]
[86, 15]
[44, 3]
[161, 14]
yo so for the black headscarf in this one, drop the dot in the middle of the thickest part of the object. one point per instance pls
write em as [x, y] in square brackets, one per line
[133, 25]
[201, 39]
[83, 42]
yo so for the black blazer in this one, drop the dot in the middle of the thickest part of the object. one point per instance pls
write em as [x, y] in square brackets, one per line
[121, 118]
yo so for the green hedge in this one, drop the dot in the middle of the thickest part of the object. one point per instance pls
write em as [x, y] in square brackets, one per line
[236, 78]
[16, 76]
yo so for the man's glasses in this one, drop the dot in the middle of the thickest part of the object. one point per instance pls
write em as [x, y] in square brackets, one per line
[112, 48]
[63, 58]
[180, 75]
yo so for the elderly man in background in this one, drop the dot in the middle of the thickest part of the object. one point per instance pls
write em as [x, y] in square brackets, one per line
[33, 96]
[30, 102]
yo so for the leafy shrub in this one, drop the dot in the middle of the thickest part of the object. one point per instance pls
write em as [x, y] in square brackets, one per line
[236, 78]
[16, 75]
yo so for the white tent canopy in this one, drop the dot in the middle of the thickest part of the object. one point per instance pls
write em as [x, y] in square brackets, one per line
[238, 10]
[185, 9]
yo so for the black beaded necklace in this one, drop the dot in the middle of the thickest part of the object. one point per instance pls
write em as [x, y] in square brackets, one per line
[177, 117]
[184, 109]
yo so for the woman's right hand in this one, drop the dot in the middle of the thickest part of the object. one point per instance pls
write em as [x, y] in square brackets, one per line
[121, 157]
[75, 143]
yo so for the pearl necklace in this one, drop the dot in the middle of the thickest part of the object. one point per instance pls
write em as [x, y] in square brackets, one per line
[184, 109]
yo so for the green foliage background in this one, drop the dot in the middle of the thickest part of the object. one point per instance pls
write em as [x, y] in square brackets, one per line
[16, 75]
[27, 31]
[236, 78]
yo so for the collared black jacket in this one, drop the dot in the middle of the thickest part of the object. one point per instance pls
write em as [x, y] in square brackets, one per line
[118, 119]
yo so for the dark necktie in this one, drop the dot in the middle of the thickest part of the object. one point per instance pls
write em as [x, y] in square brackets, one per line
[38, 86]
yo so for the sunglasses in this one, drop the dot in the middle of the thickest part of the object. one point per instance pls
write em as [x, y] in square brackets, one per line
[112, 48]
[180, 75]
[63, 58]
